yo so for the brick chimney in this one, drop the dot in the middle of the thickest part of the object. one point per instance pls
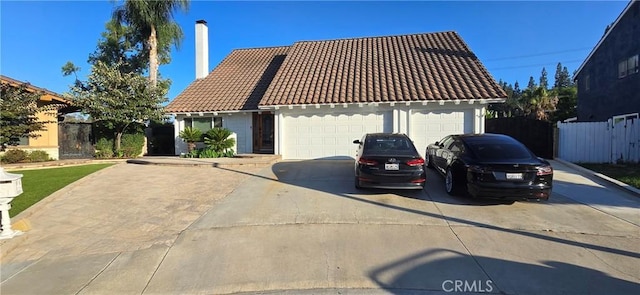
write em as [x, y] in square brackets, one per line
[202, 49]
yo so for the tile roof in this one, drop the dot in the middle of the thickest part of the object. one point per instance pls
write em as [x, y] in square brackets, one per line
[237, 83]
[435, 66]
[418, 67]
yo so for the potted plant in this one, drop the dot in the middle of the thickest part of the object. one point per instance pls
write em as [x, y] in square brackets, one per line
[191, 136]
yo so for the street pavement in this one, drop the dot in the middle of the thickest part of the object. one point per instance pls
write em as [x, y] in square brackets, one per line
[300, 227]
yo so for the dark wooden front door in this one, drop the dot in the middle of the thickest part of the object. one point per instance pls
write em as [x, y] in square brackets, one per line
[263, 130]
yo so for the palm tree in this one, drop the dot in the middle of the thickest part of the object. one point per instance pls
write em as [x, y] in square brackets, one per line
[191, 136]
[153, 19]
[218, 140]
[539, 102]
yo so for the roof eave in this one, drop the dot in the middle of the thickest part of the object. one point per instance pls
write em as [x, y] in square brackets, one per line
[390, 103]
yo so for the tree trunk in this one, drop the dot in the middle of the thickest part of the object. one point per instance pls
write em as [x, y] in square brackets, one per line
[118, 141]
[153, 57]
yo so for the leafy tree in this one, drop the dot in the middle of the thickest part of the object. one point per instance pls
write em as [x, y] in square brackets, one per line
[544, 82]
[121, 45]
[567, 104]
[538, 102]
[18, 114]
[516, 89]
[118, 98]
[218, 140]
[562, 78]
[154, 21]
[532, 83]
[69, 68]
[191, 136]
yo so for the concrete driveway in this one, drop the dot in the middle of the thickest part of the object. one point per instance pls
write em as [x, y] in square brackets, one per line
[301, 227]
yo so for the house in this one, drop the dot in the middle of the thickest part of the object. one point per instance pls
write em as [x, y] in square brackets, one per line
[310, 100]
[48, 138]
[609, 79]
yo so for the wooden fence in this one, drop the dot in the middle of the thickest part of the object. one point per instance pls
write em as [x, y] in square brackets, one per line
[536, 135]
[614, 141]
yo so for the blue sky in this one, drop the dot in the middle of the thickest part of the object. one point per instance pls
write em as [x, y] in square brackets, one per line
[513, 39]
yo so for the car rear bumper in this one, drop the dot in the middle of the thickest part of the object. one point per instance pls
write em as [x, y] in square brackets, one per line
[509, 191]
[413, 181]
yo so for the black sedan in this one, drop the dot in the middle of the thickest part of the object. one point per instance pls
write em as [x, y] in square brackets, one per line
[490, 165]
[388, 160]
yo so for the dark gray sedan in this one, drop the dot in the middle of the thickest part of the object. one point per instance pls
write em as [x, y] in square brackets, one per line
[388, 160]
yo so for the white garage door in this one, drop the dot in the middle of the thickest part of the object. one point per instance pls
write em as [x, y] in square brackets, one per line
[428, 127]
[315, 136]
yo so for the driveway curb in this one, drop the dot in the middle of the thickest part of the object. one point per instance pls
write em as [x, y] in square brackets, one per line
[262, 161]
[58, 164]
[620, 184]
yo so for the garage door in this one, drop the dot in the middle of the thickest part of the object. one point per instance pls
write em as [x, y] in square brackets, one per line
[428, 127]
[315, 136]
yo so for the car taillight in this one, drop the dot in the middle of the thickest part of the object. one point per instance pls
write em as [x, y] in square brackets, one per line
[544, 170]
[416, 162]
[367, 162]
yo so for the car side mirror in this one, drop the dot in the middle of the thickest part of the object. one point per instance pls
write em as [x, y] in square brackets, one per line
[437, 143]
[357, 141]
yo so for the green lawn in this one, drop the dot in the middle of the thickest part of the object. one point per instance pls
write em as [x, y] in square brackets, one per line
[627, 173]
[38, 184]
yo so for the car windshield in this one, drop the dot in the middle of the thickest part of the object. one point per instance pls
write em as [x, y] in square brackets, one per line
[499, 151]
[381, 144]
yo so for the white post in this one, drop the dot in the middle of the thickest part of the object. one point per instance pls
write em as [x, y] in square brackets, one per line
[7, 232]
[10, 187]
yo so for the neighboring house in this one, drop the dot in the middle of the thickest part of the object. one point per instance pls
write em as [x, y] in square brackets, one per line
[48, 138]
[609, 79]
[310, 100]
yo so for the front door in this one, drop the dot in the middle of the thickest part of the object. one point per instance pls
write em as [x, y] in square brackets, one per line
[263, 128]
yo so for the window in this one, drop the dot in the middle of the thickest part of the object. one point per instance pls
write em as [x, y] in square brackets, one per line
[203, 124]
[388, 143]
[24, 141]
[499, 151]
[457, 147]
[587, 82]
[632, 65]
[622, 69]
[217, 122]
[446, 142]
[628, 66]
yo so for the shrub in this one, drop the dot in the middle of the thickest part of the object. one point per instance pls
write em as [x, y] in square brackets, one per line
[15, 156]
[119, 153]
[218, 140]
[208, 153]
[192, 154]
[131, 145]
[39, 156]
[104, 148]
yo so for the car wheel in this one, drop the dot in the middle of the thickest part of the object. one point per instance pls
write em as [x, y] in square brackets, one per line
[450, 184]
[357, 183]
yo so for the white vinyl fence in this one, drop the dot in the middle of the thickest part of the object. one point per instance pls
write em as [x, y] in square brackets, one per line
[617, 140]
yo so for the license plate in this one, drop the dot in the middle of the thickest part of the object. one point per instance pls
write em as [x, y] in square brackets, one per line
[391, 167]
[514, 176]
